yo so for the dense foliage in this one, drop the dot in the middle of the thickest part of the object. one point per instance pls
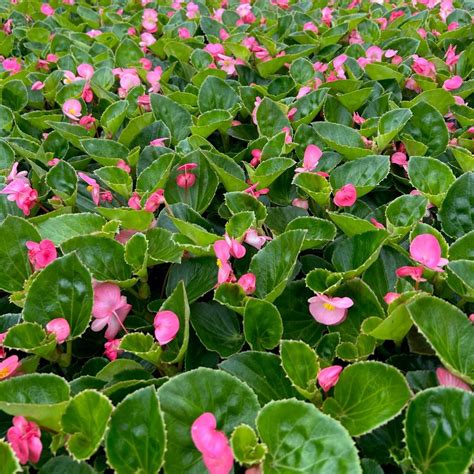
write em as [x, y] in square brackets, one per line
[236, 236]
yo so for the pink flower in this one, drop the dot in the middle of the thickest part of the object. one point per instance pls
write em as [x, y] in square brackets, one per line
[47, 9]
[376, 223]
[346, 196]
[301, 203]
[144, 101]
[20, 191]
[390, 297]
[112, 349]
[128, 81]
[192, 10]
[227, 64]
[252, 238]
[400, 159]
[12, 65]
[374, 54]
[452, 84]
[447, 379]
[212, 444]
[87, 122]
[93, 33]
[60, 328]
[86, 71]
[184, 33]
[328, 310]
[356, 118]
[310, 26]
[214, 49]
[166, 325]
[225, 274]
[248, 283]
[37, 86]
[326, 16]
[256, 157]
[291, 113]
[158, 142]
[110, 309]
[72, 108]
[135, 202]
[154, 77]
[329, 377]
[312, 155]
[25, 439]
[187, 179]
[223, 34]
[451, 57]
[8, 366]
[42, 254]
[425, 249]
[154, 201]
[413, 272]
[53, 162]
[93, 187]
[423, 67]
[257, 103]
[123, 166]
[147, 39]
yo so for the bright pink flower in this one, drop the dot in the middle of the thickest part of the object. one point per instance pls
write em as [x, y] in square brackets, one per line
[86, 71]
[72, 108]
[123, 166]
[301, 203]
[425, 249]
[144, 101]
[236, 249]
[396, 14]
[212, 444]
[326, 16]
[155, 200]
[400, 159]
[454, 25]
[452, 84]
[192, 10]
[248, 283]
[252, 238]
[214, 49]
[374, 54]
[447, 379]
[390, 297]
[87, 122]
[20, 191]
[159, 142]
[187, 179]
[154, 77]
[471, 318]
[110, 309]
[93, 33]
[112, 349]
[225, 274]
[15, 175]
[42, 254]
[291, 113]
[8, 366]
[451, 57]
[93, 187]
[147, 39]
[25, 439]
[60, 328]
[356, 118]
[8, 26]
[329, 377]
[135, 201]
[11, 64]
[37, 86]
[413, 272]
[3, 335]
[328, 310]
[310, 26]
[346, 196]
[338, 64]
[184, 33]
[47, 9]
[221, 250]
[288, 138]
[423, 67]
[320, 67]
[377, 223]
[252, 190]
[312, 155]
[53, 162]
[256, 157]
[166, 325]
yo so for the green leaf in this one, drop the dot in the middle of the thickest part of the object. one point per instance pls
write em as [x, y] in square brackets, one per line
[104, 257]
[62, 180]
[113, 116]
[238, 202]
[61, 464]
[262, 371]
[438, 428]
[457, 212]
[229, 172]
[380, 72]
[186, 397]
[15, 267]
[32, 338]
[105, 152]
[162, 247]
[216, 94]
[142, 345]
[129, 218]
[317, 187]
[311, 442]
[431, 177]
[271, 119]
[263, 327]
[245, 445]
[319, 231]
[404, 212]
[274, 264]
[217, 327]
[62, 290]
[239, 223]
[41, 397]
[136, 438]
[359, 404]
[209, 122]
[10, 464]
[269, 170]
[390, 125]
[85, 420]
[155, 176]
[350, 224]
[448, 331]
[461, 278]
[128, 53]
[116, 179]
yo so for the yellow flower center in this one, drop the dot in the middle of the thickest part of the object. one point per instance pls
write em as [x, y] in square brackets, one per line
[219, 263]
[329, 306]
[89, 188]
[72, 111]
[4, 372]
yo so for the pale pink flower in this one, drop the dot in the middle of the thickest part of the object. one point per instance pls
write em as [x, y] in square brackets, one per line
[390, 297]
[303, 91]
[400, 158]
[413, 272]
[93, 187]
[25, 439]
[154, 201]
[147, 39]
[166, 324]
[310, 26]
[227, 64]
[8, 26]
[127, 82]
[110, 309]
[288, 138]
[159, 142]
[326, 16]
[112, 349]
[346, 196]
[212, 444]
[86, 71]
[93, 33]
[15, 175]
[248, 283]
[374, 54]
[328, 310]
[214, 49]
[376, 223]
[320, 67]
[301, 203]
[355, 38]
[192, 10]
[447, 379]
[254, 239]
[312, 155]
[154, 77]
[47, 9]
[453, 83]
[223, 34]
[60, 328]
[258, 101]
[144, 101]
[411, 84]
[72, 108]
[8, 366]
[329, 377]
[20, 191]
[425, 249]
[12, 65]
[357, 118]
[451, 57]
[423, 67]
[42, 254]
[123, 165]
[37, 86]
[135, 202]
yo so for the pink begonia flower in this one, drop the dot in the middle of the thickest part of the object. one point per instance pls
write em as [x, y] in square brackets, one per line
[87, 94]
[3, 353]
[8, 366]
[312, 155]
[8, 27]
[413, 272]
[328, 310]
[123, 166]
[310, 26]
[111, 349]
[72, 108]
[374, 54]
[192, 10]
[355, 37]
[20, 191]
[395, 15]
[42, 254]
[47, 9]
[248, 283]
[127, 82]
[471, 318]
[329, 377]
[125, 235]
[223, 34]
[214, 49]
[86, 71]
[37, 86]
[301, 203]
[425, 249]
[17, 175]
[93, 33]
[252, 190]
[423, 67]
[252, 238]
[154, 77]
[144, 101]
[254, 470]
[400, 159]
[346, 196]
[452, 84]
[184, 33]
[227, 64]
[135, 201]
[53, 162]
[166, 324]
[159, 142]
[187, 179]
[320, 67]
[446, 378]
[25, 439]
[12, 65]
[146, 64]
[147, 39]
[60, 328]
[376, 223]
[87, 122]
[258, 101]
[155, 200]
[212, 444]
[356, 118]
[288, 138]
[256, 157]
[326, 16]
[451, 57]
[110, 309]
[390, 297]
[93, 187]
[291, 113]
[303, 91]
[412, 85]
